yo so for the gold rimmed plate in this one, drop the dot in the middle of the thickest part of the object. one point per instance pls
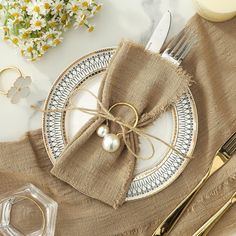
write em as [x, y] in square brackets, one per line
[178, 126]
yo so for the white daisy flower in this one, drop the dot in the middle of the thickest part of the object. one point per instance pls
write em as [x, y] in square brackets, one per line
[50, 34]
[16, 14]
[15, 40]
[37, 23]
[47, 5]
[80, 19]
[84, 4]
[27, 48]
[36, 7]
[30, 52]
[58, 7]
[73, 7]
[23, 5]
[57, 40]
[4, 32]
[42, 47]
[24, 34]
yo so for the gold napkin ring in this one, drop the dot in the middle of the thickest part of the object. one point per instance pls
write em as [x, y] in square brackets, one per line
[111, 142]
[20, 88]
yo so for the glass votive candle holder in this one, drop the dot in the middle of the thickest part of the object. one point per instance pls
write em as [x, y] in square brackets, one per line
[27, 212]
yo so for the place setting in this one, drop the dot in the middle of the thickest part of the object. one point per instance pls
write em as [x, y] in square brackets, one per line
[134, 139]
[181, 121]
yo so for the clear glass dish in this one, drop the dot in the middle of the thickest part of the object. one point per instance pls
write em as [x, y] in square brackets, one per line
[27, 212]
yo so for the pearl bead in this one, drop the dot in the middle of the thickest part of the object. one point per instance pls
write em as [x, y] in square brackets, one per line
[102, 131]
[111, 143]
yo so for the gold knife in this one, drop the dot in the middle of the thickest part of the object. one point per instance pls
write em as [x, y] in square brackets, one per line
[209, 224]
[220, 158]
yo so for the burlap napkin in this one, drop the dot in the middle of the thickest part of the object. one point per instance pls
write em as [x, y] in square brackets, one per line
[147, 82]
[212, 64]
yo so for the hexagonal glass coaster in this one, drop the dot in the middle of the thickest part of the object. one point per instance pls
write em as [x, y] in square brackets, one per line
[27, 212]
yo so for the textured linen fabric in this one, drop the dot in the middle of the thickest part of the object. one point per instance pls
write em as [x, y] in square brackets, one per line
[212, 64]
[150, 84]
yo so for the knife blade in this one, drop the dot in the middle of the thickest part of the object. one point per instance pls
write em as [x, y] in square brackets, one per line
[160, 33]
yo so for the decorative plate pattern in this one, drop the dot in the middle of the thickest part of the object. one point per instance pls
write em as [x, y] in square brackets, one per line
[148, 182]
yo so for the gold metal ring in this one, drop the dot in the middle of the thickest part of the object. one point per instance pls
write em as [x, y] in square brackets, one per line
[40, 208]
[132, 108]
[6, 69]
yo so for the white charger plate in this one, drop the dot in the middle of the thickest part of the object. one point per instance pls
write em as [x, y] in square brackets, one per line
[178, 126]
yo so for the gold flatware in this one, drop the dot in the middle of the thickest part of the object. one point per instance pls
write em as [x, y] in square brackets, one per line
[220, 158]
[209, 224]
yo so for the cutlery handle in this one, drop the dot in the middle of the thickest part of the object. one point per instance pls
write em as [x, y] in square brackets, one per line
[166, 226]
[208, 225]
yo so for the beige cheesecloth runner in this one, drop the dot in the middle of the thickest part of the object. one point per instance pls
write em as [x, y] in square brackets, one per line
[147, 82]
[212, 64]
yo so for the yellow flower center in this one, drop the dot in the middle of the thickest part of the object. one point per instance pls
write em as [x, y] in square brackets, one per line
[47, 6]
[29, 49]
[6, 29]
[15, 14]
[91, 28]
[23, 8]
[36, 9]
[81, 22]
[1, 6]
[98, 8]
[52, 23]
[59, 7]
[83, 17]
[49, 36]
[85, 4]
[25, 35]
[28, 1]
[38, 23]
[45, 47]
[15, 40]
[56, 41]
[16, 21]
[74, 8]
[63, 18]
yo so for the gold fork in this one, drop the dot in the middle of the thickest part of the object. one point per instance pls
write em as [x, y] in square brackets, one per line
[221, 157]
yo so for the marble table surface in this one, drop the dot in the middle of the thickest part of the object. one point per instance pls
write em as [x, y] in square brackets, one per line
[133, 19]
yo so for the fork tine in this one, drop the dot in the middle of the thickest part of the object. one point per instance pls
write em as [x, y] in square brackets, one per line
[231, 140]
[176, 40]
[230, 146]
[232, 151]
[177, 46]
[187, 49]
[182, 47]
